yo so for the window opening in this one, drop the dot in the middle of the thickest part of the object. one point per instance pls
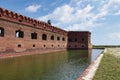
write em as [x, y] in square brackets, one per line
[44, 46]
[33, 45]
[19, 34]
[58, 38]
[52, 37]
[63, 39]
[44, 37]
[34, 35]
[1, 32]
[19, 45]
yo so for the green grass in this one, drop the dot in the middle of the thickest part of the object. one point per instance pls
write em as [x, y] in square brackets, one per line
[106, 46]
[109, 68]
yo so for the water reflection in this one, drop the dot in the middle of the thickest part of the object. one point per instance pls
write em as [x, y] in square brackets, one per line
[66, 65]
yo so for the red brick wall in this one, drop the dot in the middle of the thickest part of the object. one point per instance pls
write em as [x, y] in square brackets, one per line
[79, 40]
[10, 43]
[11, 22]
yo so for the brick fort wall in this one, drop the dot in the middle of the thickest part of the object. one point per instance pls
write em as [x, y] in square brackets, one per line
[20, 33]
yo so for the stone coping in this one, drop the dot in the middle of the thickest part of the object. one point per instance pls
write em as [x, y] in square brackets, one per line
[89, 73]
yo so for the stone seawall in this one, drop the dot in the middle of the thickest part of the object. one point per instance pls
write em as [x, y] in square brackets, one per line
[29, 52]
[89, 73]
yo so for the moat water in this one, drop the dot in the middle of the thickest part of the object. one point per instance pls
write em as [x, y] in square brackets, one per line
[67, 65]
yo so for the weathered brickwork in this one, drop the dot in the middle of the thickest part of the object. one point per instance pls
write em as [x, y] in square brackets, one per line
[20, 33]
[79, 40]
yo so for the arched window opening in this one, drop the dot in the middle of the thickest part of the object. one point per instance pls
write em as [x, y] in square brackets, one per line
[63, 39]
[34, 35]
[83, 39]
[1, 32]
[58, 38]
[19, 34]
[44, 37]
[52, 37]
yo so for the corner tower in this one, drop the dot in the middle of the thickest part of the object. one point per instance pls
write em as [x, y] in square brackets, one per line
[79, 40]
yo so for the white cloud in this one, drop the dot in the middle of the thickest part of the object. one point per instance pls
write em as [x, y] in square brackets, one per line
[32, 8]
[68, 16]
[112, 6]
[79, 16]
[60, 14]
[115, 35]
[83, 27]
[117, 13]
[56, 2]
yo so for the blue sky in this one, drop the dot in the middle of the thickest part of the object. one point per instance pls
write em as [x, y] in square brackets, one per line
[101, 17]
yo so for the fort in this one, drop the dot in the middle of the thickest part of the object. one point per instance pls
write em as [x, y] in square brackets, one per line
[19, 33]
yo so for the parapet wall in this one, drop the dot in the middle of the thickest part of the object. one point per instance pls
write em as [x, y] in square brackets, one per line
[18, 18]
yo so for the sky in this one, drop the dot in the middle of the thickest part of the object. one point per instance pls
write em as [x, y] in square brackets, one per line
[100, 17]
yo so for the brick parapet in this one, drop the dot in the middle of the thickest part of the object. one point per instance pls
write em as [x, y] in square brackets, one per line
[18, 18]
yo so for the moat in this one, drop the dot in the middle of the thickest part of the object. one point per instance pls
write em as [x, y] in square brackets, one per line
[67, 65]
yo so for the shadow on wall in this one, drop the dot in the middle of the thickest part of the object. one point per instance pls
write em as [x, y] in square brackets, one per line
[78, 40]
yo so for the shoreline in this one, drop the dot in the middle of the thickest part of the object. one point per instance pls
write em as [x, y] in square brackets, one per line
[29, 52]
[90, 71]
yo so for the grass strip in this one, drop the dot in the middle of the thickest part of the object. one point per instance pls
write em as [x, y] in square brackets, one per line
[109, 68]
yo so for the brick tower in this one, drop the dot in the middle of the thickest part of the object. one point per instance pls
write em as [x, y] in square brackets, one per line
[79, 40]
